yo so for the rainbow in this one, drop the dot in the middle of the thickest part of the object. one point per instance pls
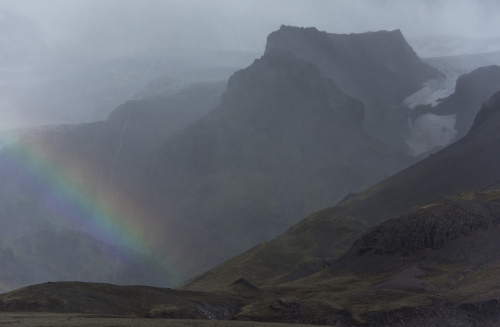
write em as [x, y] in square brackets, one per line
[68, 191]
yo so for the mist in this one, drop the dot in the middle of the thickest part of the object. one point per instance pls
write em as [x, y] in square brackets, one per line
[116, 28]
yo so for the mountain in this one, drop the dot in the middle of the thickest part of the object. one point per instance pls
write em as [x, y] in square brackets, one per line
[378, 68]
[420, 248]
[70, 255]
[200, 185]
[284, 142]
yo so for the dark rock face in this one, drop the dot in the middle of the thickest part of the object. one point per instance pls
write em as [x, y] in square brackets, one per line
[471, 91]
[379, 68]
[454, 231]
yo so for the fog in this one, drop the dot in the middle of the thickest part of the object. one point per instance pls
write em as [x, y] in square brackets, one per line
[74, 61]
[116, 27]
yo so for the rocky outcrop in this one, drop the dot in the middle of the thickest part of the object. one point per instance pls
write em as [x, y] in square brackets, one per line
[454, 231]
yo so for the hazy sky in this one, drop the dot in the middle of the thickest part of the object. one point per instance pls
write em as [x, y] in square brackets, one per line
[113, 26]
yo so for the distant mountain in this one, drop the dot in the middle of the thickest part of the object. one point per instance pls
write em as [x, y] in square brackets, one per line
[378, 68]
[70, 255]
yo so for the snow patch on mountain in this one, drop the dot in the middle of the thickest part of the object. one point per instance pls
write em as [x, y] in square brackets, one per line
[430, 131]
[451, 68]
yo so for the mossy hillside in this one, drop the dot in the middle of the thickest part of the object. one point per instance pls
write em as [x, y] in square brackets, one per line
[266, 263]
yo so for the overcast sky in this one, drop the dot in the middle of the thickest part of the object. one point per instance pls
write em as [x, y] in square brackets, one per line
[112, 26]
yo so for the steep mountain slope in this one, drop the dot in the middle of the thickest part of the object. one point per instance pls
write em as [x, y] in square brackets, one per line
[453, 116]
[284, 142]
[308, 247]
[378, 68]
[69, 255]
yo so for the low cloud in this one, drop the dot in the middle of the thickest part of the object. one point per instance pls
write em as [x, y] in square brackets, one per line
[110, 27]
